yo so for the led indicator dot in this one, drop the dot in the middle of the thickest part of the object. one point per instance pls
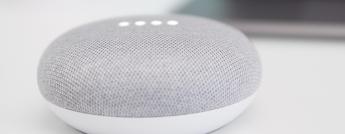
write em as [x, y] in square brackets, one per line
[140, 23]
[172, 22]
[156, 22]
[123, 24]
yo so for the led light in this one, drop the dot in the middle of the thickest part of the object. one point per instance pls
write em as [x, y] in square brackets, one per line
[140, 23]
[123, 24]
[172, 22]
[156, 22]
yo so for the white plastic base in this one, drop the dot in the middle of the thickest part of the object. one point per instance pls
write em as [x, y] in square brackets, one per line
[198, 123]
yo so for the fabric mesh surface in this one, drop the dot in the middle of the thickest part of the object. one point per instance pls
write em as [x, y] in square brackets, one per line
[149, 71]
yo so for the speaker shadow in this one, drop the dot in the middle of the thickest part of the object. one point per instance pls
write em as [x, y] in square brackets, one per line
[50, 122]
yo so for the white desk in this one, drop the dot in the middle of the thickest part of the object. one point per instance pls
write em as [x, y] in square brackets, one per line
[302, 92]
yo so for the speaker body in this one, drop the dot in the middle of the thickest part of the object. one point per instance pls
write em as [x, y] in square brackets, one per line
[149, 74]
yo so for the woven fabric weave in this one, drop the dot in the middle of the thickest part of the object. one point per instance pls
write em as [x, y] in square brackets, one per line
[151, 70]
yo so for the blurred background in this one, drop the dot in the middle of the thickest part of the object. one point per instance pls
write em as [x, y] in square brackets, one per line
[301, 44]
[295, 18]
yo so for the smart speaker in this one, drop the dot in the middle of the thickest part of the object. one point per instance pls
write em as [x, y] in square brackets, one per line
[149, 74]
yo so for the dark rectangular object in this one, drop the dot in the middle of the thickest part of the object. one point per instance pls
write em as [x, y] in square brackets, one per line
[312, 18]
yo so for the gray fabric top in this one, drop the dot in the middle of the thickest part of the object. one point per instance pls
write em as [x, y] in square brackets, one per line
[149, 71]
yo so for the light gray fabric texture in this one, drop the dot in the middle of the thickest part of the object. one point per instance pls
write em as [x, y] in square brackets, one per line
[149, 71]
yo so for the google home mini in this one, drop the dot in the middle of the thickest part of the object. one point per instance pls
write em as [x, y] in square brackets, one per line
[149, 74]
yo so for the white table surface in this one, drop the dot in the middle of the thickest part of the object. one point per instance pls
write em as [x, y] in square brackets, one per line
[302, 91]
